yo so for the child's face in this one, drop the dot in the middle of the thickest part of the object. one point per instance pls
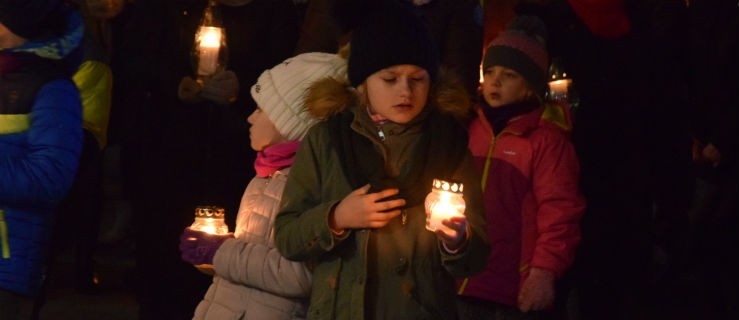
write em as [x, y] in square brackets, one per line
[502, 86]
[262, 131]
[398, 93]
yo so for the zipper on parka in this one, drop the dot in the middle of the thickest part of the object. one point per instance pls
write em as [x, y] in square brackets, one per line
[380, 133]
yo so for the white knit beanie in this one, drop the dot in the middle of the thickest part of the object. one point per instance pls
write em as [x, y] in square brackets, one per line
[279, 91]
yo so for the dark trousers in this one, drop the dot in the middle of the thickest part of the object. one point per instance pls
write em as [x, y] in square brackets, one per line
[14, 306]
[79, 214]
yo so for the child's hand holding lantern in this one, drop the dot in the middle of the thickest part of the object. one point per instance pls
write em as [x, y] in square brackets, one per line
[445, 208]
[455, 234]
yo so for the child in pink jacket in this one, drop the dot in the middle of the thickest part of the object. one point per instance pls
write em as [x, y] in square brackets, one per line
[529, 174]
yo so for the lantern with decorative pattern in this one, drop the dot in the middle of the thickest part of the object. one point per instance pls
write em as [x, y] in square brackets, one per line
[444, 202]
[210, 219]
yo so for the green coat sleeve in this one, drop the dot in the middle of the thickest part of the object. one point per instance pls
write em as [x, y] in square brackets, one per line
[301, 226]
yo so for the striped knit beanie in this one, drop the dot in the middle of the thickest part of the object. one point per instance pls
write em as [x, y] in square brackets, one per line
[522, 47]
[279, 91]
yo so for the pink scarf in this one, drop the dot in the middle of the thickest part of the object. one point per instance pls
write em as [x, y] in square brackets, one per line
[275, 157]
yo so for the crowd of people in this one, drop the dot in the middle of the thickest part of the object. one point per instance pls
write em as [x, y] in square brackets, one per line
[321, 128]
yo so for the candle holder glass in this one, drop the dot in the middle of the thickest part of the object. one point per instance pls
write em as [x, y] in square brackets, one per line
[560, 86]
[210, 219]
[445, 201]
[209, 51]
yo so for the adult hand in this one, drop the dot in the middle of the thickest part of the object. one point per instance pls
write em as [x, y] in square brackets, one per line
[537, 292]
[189, 90]
[455, 235]
[197, 247]
[360, 209]
[222, 88]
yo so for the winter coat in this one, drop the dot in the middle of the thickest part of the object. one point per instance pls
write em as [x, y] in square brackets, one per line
[399, 271]
[253, 281]
[40, 142]
[532, 202]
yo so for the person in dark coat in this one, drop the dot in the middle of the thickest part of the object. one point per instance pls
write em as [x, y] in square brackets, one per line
[183, 143]
[714, 83]
[631, 135]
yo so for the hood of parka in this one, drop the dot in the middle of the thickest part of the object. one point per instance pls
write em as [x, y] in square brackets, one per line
[330, 96]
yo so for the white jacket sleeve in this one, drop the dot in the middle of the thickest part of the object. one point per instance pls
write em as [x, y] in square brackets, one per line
[262, 267]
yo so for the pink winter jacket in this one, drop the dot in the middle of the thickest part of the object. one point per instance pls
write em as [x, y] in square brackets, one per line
[532, 202]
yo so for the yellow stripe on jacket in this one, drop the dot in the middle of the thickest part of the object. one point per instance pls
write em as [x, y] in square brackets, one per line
[14, 123]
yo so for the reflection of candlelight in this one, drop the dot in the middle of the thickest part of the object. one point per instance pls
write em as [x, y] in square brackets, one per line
[209, 39]
[558, 87]
[208, 226]
[445, 201]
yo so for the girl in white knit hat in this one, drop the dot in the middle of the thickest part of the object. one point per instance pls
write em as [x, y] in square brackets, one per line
[252, 280]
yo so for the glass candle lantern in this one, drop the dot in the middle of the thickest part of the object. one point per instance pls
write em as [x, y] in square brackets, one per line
[559, 81]
[558, 89]
[443, 202]
[209, 50]
[210, 219]
[560, 85]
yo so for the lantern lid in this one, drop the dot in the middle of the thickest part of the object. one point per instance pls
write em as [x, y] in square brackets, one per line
[214, 212]
[451, 186]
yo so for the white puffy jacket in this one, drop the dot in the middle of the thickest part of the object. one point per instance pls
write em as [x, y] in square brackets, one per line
[253, 281]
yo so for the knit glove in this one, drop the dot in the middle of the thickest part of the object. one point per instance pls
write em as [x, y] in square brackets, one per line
[537, 292]
[197, 247]
[222, 88]
[189, 90]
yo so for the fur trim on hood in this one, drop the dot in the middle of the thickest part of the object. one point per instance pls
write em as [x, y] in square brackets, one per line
[329, 96]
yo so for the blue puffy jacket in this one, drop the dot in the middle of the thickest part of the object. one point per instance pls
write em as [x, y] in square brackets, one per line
[40, 143]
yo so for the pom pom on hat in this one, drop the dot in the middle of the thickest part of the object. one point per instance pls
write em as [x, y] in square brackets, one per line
[522, 47]
[388, 34]
[279, 91]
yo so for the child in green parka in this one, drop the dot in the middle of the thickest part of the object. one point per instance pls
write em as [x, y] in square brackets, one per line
[353, 206]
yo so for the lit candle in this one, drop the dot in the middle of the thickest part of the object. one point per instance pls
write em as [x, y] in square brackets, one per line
[559, 87]
[210, 219]
[445, 201]
[209, 39]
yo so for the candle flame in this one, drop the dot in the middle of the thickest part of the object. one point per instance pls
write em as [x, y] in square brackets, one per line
[210, 37]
